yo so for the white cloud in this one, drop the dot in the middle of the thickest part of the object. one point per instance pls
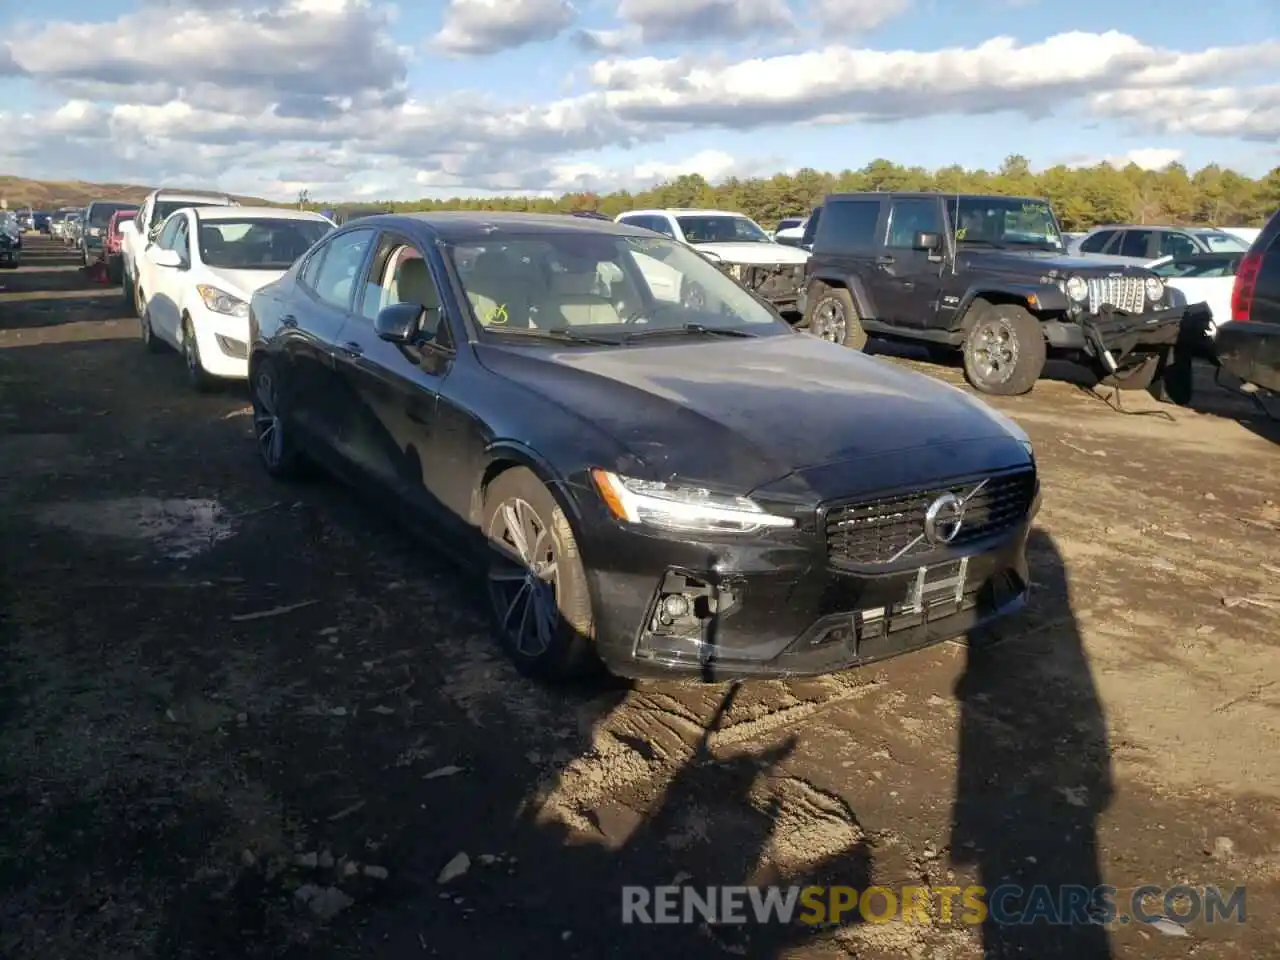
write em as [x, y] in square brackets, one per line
[481, 27]
[1148, 158]
[262, 96]
[1250, 114]
[846, 17]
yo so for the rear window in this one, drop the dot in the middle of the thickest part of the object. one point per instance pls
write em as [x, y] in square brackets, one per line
[100, 213]
[165, 207]
[848, 225]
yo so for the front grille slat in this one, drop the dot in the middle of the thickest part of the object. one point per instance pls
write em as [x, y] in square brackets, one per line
[872, 532]
[1127, 294]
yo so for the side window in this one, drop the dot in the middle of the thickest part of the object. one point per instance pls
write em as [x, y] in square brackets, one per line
[811, 227]
[169, 234]
[1097, 242]
[847, 225]
[1135, 243]
[310, 269]
[336, 278]
[181, 241]
[400, 274]
[637, 221]
[909, 217]
[1176, 245]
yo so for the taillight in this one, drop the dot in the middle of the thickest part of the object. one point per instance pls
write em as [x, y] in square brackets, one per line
[1246, 283]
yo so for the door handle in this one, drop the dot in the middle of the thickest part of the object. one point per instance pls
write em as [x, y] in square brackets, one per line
[289, 320]
[352, 349]
[885, 261]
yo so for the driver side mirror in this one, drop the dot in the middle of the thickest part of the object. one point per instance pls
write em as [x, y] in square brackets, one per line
[400, 323]
[924, 240]
[165, 258]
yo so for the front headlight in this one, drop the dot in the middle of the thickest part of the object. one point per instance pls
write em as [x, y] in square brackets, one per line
[1030, 448]
[683, 508]
[1077, 288]
[1155, 288]
[219, 301]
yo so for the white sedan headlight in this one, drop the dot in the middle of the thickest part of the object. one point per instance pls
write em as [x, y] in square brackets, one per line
[219, 301]
[1155, 288]
[682, 508]
[1077, 288]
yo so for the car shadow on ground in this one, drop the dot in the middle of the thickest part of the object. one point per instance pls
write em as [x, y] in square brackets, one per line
[221, 819]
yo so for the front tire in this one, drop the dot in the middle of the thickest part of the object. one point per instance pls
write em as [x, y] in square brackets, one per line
[197, 376]
[832, 316]
[1005, 351]
[281, 456]
[148, 335]
[538, 594]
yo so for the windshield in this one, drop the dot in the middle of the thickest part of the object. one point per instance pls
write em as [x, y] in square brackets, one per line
[714, 228]
[1203, 266]
[257, 244]
[100, 213]
[602, 286]
[1000, 221]
[1220, 242]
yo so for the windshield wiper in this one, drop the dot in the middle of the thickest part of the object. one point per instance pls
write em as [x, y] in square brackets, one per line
[573, 336]
[688, 329]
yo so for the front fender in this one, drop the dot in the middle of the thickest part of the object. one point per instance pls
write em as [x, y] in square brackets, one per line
[1039, 298]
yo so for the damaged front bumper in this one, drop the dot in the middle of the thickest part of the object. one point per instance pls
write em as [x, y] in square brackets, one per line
[1122, 340]
[779, 284]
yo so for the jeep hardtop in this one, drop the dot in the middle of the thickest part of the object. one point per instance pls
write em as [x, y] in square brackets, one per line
[990, 276]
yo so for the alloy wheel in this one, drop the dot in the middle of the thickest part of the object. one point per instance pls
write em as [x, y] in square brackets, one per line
[524, 583]
[995, 351]
[268, 429]
[829, 322]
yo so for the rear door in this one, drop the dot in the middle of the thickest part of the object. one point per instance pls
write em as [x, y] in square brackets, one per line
[322, 302]
[845, 246]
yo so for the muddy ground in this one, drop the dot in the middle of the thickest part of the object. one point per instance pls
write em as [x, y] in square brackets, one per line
[182, 778]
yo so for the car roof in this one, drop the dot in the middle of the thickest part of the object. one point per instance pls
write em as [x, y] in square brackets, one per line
[461, 226]
[683, 212]
[922, 194]
[192, 195]
[255, 213]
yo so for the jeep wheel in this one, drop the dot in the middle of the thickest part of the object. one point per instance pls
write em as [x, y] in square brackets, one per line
[832, 316]
[1005, 351]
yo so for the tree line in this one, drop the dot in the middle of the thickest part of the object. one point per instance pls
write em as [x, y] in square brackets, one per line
[1082, 196]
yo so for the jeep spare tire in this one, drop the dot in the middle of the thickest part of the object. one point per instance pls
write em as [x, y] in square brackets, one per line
[1005, 350]
[830, 315]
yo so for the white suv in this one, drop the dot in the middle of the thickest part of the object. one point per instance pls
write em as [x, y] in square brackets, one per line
[737, 243]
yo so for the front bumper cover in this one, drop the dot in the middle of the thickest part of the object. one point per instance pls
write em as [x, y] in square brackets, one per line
[1117, 338]
[778, 283]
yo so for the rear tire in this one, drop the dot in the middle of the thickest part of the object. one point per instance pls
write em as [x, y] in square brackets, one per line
[538, 593]
[1005, 350]
[832, 316]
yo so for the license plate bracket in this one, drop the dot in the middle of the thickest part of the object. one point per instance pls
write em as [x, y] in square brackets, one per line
[939, 583]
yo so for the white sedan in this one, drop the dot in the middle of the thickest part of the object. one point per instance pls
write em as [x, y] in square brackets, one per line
[202, 269]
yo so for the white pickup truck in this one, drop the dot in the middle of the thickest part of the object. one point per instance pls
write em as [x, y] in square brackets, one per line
[140, 232]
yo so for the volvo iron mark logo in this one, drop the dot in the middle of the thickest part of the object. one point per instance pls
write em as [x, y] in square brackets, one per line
[943, 519]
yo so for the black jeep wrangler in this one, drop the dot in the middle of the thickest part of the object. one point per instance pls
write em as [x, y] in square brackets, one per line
[989, 275]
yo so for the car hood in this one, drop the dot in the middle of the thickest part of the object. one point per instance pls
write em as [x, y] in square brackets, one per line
[745, 413]
[1039, 262]
[243, 283]
[754, 253]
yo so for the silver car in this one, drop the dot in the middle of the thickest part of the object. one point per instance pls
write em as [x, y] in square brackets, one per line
[1141, 244]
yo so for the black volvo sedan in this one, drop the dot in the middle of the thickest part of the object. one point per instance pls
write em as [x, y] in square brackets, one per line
[657, 473]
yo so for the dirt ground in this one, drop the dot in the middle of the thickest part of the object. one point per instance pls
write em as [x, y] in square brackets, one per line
[241, 720]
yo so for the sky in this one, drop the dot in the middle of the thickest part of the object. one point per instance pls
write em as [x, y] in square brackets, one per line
[365, 100]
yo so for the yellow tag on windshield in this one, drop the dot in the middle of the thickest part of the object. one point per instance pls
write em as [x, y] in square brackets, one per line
[498, 315]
